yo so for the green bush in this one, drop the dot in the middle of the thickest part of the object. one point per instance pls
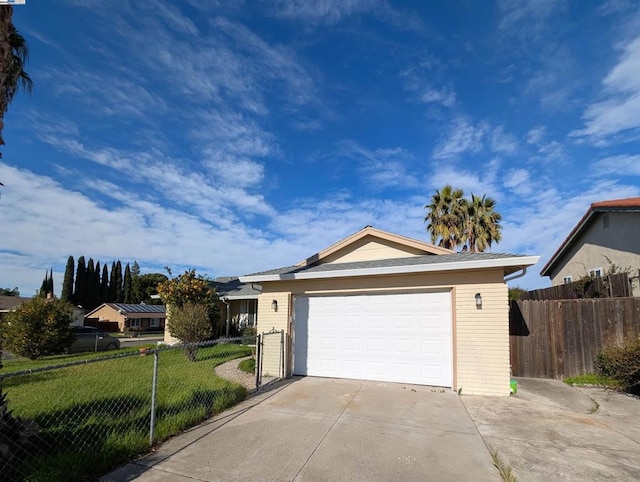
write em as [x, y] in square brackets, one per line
[38, 328]
[622, 363]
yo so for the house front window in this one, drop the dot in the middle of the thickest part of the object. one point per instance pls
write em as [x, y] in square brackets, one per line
[134, 323]
[567, 280]
[596, 272]
[154, 322]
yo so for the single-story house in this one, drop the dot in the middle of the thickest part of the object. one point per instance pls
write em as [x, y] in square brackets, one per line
[238, 302]
[380, 306]
[10, 303]
[129, 317]
[607, 234]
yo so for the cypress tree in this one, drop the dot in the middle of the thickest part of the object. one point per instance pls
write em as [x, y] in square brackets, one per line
[67, 284]
[112, 284]
[50, 288]
[96, 284]
[104, 285]
[79, 292]
[42, 293]
[127, 287]
[118, 283]
[90, 302]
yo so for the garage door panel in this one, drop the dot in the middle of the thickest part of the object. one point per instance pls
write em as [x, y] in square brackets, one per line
[388, 337]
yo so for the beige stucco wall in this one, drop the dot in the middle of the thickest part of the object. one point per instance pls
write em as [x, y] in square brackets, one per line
[618, 242]
[107, 313]
[480, 337]
[370, 248]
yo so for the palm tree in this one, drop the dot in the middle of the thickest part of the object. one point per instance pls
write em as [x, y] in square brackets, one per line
[481, 223]
[445, 217]
[14, 53]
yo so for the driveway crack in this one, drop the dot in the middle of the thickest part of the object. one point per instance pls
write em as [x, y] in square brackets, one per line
[327, 432]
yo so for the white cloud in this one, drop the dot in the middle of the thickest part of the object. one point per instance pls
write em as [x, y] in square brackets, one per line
[525, 19]
[623, 165]
[518, 181]
[536, 135]
[462, 136]
[502, 142]
[619, 110]
[445, 97]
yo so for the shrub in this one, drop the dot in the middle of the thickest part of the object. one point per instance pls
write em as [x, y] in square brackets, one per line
[190, 324]
[622, 363]
[38, 327]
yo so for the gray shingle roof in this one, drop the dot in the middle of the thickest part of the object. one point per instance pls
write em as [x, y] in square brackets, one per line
[232, 287]
[391, 262]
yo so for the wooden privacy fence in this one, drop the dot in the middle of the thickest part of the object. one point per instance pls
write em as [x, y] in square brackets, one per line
[612, 286]
[560, 338]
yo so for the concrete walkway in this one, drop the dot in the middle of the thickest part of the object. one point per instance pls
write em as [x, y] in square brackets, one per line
[551, 431]
[313, 429]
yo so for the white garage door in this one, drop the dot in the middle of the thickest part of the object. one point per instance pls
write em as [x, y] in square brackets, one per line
[402, 337]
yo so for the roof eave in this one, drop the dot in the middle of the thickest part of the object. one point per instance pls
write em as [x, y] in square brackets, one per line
[520, 262]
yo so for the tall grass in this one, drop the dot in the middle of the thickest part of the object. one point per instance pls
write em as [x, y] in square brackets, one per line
[93, 417]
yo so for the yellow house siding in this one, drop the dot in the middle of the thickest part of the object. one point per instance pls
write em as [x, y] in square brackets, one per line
[480, 337]
[368, 249]
[269, 320]
[106, 313]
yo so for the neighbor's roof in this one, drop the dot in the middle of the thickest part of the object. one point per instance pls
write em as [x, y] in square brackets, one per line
[413, 264]
[131, 309]
[231, 288]
[10, 303]
[631, 204]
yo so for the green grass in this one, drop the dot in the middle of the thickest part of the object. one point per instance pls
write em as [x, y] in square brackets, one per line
[248, 365]
[93, 417]
[592, 379]
[505, 471]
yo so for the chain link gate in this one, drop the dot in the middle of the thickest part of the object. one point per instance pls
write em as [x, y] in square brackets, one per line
[270, 365]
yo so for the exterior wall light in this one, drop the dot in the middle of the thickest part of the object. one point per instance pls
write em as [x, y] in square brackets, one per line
[274, 305]
[478, 301]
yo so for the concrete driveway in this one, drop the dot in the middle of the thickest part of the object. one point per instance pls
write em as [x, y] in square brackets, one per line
[551, 431]
[326, 429]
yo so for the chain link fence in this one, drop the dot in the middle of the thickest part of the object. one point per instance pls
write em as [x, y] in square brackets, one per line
[84, 417]
[270, 361]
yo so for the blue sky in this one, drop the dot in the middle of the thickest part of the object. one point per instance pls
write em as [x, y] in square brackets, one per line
[236, 136]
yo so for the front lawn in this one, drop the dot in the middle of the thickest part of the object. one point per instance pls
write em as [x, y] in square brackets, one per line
[592, 379]
[248, 365]
[94, 416]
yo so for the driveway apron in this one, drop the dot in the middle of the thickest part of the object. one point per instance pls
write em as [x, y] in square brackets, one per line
[313, 429]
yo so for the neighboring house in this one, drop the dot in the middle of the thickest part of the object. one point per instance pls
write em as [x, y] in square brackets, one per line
[130, 317]
[609, 232]
[238, 302]
[379, 306]
[10, 303]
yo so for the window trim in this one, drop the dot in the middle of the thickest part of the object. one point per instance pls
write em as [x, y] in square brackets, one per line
[596, 272]
[154, 322]
[135, 323]
[567, 280]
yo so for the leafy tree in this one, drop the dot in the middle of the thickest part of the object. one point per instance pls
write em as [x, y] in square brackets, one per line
[96, 288]
[453, 220]
[189, 290]
[67, 284]
[445, 212]
[9, 292]
[135, 283]
[38, 328]
[147, 285]
[14, 53]
[104, 285]
[90, 295]
[190, 323]
[127, 288]
[515, 292]
[79, 294]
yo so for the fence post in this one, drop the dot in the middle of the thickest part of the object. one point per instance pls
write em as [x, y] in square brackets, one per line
[282, 352]
[258, 358]
[154, 386]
